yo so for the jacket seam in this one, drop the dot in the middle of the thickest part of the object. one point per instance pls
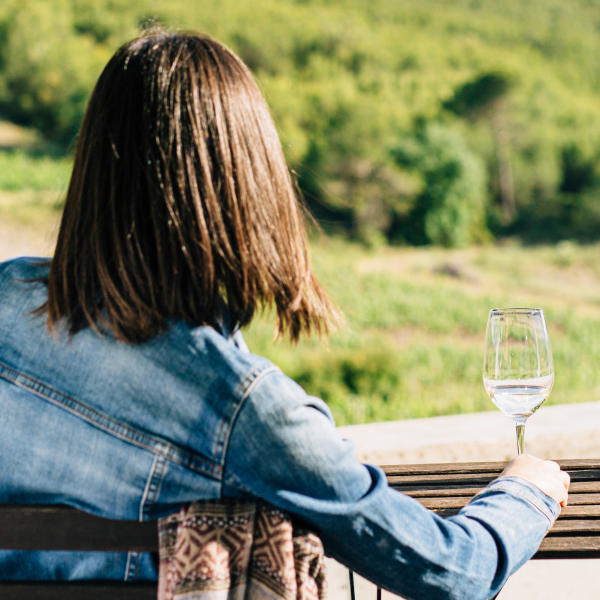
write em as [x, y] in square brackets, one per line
[151, 487]
[149, 494]
[531, 500]
[230, 414]
[158, 478]
[153, 444]
[232, 481]
[249, 389]
[131, 556]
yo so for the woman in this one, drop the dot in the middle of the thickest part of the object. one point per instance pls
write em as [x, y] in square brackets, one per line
[125, 386]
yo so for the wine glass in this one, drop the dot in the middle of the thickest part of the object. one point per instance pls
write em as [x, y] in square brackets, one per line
[518, 372]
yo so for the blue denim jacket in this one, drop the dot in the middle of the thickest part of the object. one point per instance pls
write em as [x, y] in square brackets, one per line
[133, 432]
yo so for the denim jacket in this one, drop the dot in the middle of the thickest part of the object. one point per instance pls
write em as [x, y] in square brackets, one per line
[134, 432]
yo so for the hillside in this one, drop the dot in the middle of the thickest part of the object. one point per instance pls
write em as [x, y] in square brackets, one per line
[358, 91]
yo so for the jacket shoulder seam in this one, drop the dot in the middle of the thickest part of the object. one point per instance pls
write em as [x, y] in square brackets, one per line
[247, 390]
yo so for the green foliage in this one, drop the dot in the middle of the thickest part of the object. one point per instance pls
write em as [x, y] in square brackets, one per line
[380, 382]
[52, 58]
[450, 210]
[416, 316]
[347, 80]
[21, 170]
[578, 171]
[479, 96]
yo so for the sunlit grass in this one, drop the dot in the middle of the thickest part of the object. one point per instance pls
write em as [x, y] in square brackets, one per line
[33, 182]
[21, 170]
[413, 346]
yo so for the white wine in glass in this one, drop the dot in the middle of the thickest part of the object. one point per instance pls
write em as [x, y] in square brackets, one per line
[518, 372]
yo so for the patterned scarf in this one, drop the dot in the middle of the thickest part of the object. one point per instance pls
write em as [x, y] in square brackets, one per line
[238, 550]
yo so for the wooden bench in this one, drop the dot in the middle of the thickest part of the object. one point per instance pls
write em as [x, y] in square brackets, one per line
[444, 488]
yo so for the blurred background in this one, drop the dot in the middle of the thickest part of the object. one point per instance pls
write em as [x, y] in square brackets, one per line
[448, 149]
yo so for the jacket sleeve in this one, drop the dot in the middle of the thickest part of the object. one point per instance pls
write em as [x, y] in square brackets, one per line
[283, 448]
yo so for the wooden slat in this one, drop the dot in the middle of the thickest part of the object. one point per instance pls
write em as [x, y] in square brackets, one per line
[583, 499]
[584, 475]
[440, 480]
[570, 512]
[444, 468]
[433, 479]
[443, 503]
[580, 487]
[565, 543]
[423, 492]
[579, 463]
[78, 591]
[40, 527]
[590, 501]
[573, 526]
[447, 512]
[479, 467]
[577, 489]
[465, 489]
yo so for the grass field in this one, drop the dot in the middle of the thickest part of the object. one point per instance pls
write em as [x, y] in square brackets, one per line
[416, 320]
[32, 186]
[413, 343]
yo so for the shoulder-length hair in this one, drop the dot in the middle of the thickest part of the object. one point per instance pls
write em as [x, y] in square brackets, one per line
[180, 201]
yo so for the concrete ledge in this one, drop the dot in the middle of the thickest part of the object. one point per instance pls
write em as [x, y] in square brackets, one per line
[561, 431]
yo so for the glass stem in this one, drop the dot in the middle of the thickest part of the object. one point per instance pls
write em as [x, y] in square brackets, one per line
[520, 438]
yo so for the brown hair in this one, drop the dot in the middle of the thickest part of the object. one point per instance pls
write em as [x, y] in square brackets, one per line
[180, 200]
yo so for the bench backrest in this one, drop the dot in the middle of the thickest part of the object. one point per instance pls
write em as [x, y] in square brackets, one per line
[41, 527]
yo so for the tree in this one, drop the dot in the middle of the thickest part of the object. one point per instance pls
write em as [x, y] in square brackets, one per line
[450, 208]
[482, 98]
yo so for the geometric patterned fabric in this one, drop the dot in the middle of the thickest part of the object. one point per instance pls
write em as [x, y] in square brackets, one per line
[238, 550]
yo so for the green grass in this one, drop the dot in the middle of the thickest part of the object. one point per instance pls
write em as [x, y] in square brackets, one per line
[21, 170]
[32, 188]
[413, 346]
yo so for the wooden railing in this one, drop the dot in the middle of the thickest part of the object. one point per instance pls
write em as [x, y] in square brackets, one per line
[446, 488]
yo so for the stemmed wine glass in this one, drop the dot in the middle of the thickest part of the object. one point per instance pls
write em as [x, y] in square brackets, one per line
[518, 372]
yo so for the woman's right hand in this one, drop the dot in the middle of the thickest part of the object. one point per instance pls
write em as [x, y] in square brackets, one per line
[544, 474]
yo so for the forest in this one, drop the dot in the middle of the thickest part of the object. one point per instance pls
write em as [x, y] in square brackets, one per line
[444, 122]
